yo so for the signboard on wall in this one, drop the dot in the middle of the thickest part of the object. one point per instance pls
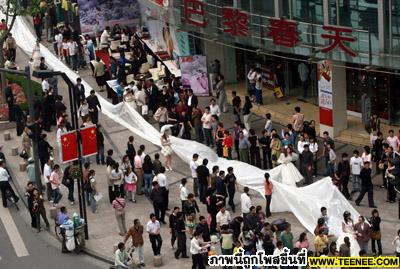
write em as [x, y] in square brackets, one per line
[324, 77]
[268, 80]
[194, 74]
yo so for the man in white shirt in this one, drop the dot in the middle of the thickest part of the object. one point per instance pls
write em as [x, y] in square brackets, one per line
[183, 192]
[46, 177]
[214, 108]
[251, 76]
[245, 201]
[207, 128]
[163, 182]
[45, 85]
[72, 50]
[223, 218]
[393, 141]
[105, 36]
[356, 164]
[5, 184]
[153, 228]
[193, 166]
[196, 249]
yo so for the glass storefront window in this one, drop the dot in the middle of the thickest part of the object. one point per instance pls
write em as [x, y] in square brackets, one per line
[392, 16]
[300, 10]
[360, 15]
[263, 7]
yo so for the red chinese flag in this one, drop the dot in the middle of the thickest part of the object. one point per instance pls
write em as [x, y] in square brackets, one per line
[69, 147]
[89, 141]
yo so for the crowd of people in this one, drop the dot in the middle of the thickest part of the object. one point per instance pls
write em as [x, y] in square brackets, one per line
[178, 113]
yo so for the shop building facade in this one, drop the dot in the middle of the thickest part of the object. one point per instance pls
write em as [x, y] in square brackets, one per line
[360, 38]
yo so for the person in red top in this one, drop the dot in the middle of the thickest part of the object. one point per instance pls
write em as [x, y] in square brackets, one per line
[37, 23]
[268, 188]
[227, 143]
[3, 25]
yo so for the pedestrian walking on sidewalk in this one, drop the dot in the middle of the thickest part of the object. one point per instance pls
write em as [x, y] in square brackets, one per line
[221, 94]
[366, 185]
[180, 230]
[153, 228]
[55, 181]
[39, 210]
[91, 189]
[119, 206]
[247, 112]
[136, 233]
[356, 164]
[157, 196]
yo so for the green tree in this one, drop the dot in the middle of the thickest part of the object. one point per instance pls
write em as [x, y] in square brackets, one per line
[10, 10]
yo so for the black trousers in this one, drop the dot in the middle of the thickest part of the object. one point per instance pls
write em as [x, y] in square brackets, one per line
[203, 192]
[266, 157]
[173, 237]
[165, 192]
[181, 250]
[345, 190]
[71, 191]
[391, 192]
[197, 261]
[11, 114]
[255, 158]
[94, 116]
[13, 53]
[159, 210]
[156, 243]
[4, 186]
[231, 197]
[370, 191]
[268, 205]
[237, 149]
[379, 243]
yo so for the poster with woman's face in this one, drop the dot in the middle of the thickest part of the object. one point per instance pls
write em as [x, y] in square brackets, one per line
[194, 74]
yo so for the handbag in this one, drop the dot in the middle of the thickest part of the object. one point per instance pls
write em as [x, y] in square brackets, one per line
[145, 110]
[225, 152]
[374, 235]
[98, 197]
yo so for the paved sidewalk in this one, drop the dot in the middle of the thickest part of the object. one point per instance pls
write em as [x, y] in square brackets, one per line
[103, 231]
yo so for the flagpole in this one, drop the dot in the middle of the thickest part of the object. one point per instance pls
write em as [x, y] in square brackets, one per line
[75, 124]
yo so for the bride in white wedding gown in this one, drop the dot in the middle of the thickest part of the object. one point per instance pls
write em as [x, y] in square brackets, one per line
[289, 173]
[348, 231]
[130, 99]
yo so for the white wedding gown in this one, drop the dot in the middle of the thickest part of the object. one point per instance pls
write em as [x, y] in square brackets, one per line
[130, 100]
[289, 173]
[350, 233]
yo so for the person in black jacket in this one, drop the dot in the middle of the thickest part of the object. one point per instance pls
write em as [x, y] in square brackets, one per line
[44, 149]
[366, 186]
[344, 172]
[202, 227]
[94, 106]
[221, 186]
[100, 146]
[10, 101]
[180, 230]
[235, 225]
[191, 101]
[79, 92]
[251, 220]
[157, 196]
[59, 106]
[130, 151]
[173, 219]
[306, 164]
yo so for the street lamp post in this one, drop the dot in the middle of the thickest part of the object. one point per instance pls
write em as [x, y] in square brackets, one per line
[75, 125]
[27, 74]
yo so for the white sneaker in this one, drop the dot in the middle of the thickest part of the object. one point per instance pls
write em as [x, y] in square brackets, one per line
[72, 203]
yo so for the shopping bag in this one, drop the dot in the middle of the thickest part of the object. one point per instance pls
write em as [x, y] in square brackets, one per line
[98, 197]
[145, 110]
[278, 92]
[225, 152]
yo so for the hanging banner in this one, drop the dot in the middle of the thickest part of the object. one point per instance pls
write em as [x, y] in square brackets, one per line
[89, 140]
[194, 74]
[325, 92]
[69, 147]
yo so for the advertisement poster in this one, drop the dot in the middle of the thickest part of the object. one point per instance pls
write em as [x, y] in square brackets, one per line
[95, 15]
[267, 77]
[194, 74]
[324, 77]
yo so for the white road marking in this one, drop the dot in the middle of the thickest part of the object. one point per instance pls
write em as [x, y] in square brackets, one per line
[13, 233]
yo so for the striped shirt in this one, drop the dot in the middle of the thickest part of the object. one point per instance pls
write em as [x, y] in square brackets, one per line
[118, 204]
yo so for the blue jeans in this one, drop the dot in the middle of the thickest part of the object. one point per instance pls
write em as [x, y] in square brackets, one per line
[100, 155]
[331, 169]
[148, 178]
[93, 203]
[208, 136]
[56, 195]
[259, 96]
